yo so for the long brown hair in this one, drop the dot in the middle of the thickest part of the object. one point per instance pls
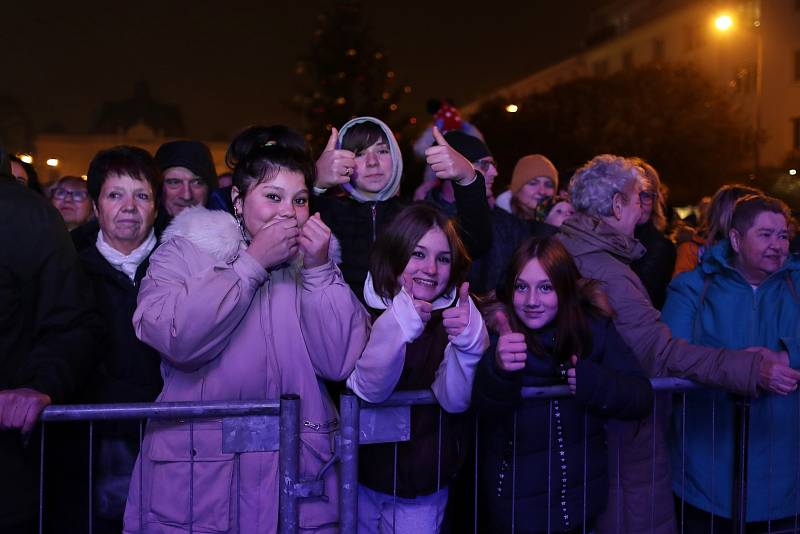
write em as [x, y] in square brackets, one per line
[393, 248]
[577, 298]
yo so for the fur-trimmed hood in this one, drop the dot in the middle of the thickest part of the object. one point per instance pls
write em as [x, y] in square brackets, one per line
[215, 232]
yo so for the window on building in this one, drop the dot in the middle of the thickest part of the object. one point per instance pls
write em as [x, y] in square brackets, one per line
[600, 68]
[658, 49]
[627, 59]
[797, 65]
[796, 130]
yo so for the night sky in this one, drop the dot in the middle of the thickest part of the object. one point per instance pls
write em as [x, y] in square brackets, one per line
[229, 64]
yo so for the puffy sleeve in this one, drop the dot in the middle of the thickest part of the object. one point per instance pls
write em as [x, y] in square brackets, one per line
[613, 385]
[495, 391]
[189, 303]
[682, 304]
[335, 324]
[456, 374]
[381, 364]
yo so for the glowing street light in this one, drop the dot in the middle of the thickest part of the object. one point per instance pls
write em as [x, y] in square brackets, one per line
[512, 108]
[792, 172]
[52, 162]
[25, 158]
[723, 23]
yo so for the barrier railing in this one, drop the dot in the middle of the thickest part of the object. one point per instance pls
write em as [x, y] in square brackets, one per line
[365, 423]
[247, 426]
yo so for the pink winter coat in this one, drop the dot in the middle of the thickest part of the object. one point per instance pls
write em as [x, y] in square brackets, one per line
[229, 330]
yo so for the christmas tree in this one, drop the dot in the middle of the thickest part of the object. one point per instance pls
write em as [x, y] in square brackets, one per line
[345, 75]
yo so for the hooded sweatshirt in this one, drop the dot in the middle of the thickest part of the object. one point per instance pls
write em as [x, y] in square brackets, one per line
[356, 219]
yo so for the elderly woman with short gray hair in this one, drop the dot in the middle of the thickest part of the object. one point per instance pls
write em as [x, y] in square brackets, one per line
[600, 236]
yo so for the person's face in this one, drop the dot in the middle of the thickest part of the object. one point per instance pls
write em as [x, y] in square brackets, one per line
[559, 213]
[627, 208]
[285, 196]
[72, 201]
[763, 249]
[182, 189]
[488, 169]
[373, 167]
[535, 300]
[428, 269]
[532, 193]
[125, 210]
[647, 198]
[19, 173]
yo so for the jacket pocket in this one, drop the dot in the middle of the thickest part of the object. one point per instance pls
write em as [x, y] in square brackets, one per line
[192, 465]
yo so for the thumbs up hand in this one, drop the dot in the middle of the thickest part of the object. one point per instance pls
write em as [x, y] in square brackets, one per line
[334, 166]
[423, 307]
[512, 352]
[456, 318]
[572, 377]
[446, 162]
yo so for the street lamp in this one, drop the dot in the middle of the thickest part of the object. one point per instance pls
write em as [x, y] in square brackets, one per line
[52, 162]
[512, 108]
[723, 23]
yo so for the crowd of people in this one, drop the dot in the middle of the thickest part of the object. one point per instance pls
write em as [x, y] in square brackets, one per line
[155, 280]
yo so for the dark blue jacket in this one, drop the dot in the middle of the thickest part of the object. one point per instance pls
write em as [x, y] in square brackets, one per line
[515, 476]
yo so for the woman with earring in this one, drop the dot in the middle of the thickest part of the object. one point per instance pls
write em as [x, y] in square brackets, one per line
[244, 307]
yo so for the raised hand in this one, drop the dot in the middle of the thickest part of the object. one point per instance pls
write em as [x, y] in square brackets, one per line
[457, 317]
[512, 352]
[334, 166]
[275, 242]
[314, 240]
[572, 378]
[20, 408]
[423, 307]
[446, 162]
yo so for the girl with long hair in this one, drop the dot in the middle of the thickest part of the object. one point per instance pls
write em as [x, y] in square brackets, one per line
[543, 465]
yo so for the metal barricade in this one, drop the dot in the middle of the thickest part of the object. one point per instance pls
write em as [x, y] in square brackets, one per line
[362, 423]
[247, 426]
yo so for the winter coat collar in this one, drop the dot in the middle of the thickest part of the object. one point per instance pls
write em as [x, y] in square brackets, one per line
[588, 234]
[214, 232]
[718, 260]
[377, 302]
[393, 185]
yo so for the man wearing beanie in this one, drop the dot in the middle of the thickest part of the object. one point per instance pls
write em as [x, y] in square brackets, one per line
[531, 168]
[189, 176]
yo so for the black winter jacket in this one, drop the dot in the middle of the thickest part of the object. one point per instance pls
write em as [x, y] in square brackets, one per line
[357, 224]
[48, 325]
[553, 437]
[127, 370]
[655, 268]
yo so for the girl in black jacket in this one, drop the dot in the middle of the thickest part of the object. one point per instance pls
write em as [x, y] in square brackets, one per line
[543, 464]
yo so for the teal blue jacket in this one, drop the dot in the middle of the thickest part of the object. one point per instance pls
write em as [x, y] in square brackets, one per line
[714, 305]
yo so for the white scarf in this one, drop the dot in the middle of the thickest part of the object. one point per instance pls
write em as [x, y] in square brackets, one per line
[126, 263]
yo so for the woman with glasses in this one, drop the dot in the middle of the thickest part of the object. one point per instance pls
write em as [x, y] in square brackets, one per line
[654, 269]
[70, 197]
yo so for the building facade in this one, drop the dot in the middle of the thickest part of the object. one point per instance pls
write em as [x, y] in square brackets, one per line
[749, 47]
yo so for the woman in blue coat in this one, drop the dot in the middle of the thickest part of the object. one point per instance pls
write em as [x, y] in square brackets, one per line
[552, 479]
[743, 294]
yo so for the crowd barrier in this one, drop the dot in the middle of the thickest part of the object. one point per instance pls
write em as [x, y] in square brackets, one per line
[365, 423]
[275, 426]
[247, 427]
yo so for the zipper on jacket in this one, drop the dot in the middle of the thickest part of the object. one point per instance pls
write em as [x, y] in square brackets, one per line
[374, 209]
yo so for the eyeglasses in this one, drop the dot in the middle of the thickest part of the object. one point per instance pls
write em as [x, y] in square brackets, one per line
[76, 195]
[647, 196]
[485, 165]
